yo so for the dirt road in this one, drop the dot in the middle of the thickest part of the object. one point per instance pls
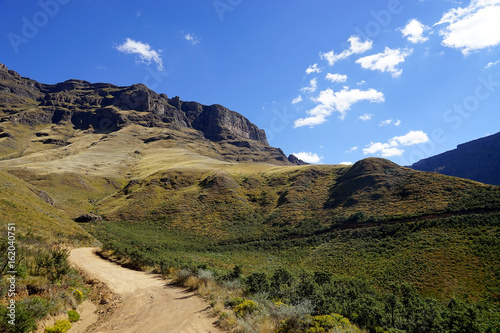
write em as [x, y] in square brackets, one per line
[149, 304]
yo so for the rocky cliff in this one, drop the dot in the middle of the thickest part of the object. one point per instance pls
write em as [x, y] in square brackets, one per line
[478, 160]
[105, 108]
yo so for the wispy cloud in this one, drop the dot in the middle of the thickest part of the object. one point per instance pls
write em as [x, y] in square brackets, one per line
[366, 116]
[297, 99]
[356, 47]
[308, 157]
[313, 69]
[340, 101]
[491, 64]
[390, 121]
[313, 85]
[472, 28]
[385, 61]
[385, 122]
[414, 31]
[336, 77]
[393, 146]
[352, 149]
[143, 50]
[191, 37]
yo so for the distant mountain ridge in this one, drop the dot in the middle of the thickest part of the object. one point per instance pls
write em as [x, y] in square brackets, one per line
[478, 160]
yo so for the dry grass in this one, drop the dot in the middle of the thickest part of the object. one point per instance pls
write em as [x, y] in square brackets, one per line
[22, 206]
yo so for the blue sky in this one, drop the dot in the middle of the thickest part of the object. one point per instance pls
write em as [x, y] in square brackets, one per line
[332, 81]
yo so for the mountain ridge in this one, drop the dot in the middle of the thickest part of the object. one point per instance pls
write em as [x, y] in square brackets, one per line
[105, 108]
[477, 160]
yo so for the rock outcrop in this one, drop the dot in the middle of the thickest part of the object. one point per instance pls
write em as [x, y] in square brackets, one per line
[105, 108]
[88, 105]
[478, 160]
[295, 160]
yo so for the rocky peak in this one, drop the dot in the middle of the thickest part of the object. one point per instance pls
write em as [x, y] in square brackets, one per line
[295, 160]
[104, 108]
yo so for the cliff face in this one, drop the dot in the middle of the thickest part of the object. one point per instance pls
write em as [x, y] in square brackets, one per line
[478, 160]
[76, 106]
[86, 104]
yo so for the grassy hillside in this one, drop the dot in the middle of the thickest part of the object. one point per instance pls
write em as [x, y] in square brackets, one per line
[33, 213]
[45, 283]
[171, 199]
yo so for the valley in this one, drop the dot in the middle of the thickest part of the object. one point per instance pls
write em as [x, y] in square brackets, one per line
[193, 191]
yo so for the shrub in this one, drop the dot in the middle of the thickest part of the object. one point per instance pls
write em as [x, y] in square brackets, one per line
[183, 275]
[246, 307]
[257, 283]
[37, 306]
[232, 285]
[292, 318]
[61, 326]
[77, 294]
[205, 275]
[234, 301]
[73, 316]
[25, 321]
[280, 280]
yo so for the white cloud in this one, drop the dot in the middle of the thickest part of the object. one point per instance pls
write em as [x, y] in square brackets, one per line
[472, 28]
[313, 85]
[414, 31]
[491, 64]
[308, 157]
[143, 50]
[340, 101]
[409, 139]
[313, 69]
[297, 99]
[392, 147]
[352, 149]
[366, 116]
[336, 77]
[386, 122]
[192, 38]
[356, 47]
[345, 163]
[385, 149]
[360, 83]
[386, 61]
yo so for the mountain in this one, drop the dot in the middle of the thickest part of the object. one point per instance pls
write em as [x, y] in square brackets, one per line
[76, 108]
[478, 160]
[176, 184]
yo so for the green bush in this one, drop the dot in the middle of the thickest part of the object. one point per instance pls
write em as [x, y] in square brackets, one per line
[25, 321]
[37, 306]
[73, 316]
[234, 302]
[61, 326]
[257, 283]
